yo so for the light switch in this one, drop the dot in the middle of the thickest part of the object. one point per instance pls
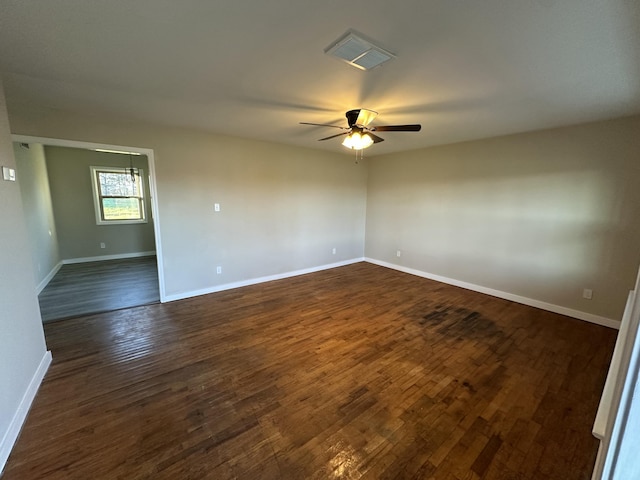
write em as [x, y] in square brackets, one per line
[216, 207]
[8, 174]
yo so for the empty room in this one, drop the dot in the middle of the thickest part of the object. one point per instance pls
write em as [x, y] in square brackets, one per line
[393, 241]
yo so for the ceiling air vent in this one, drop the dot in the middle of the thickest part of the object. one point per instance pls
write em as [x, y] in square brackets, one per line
[358, 52]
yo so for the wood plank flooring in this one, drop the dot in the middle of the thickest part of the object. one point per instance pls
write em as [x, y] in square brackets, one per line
[92, 287]
[358, 372]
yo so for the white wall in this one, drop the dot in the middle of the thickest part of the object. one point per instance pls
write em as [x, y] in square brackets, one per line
[36, 200]
[540, 215]
[23, 355]
[283, 209]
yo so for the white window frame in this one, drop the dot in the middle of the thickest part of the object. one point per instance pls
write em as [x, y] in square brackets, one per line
[97, 195]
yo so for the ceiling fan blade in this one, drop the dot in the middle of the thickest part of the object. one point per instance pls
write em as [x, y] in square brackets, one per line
[376, 139]
[323, 125]
[397, 128]
[365, 117]
[332, 136]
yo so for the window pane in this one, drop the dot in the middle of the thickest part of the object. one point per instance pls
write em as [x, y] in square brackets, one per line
[117, 184]
[121, 209]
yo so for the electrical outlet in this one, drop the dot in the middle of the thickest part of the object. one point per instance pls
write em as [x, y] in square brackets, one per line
[334, 250]
[218, 270]
[587, 293]
[103, 245]
[398, 253]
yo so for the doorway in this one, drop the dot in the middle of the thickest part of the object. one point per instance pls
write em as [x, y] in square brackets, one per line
[83, 265]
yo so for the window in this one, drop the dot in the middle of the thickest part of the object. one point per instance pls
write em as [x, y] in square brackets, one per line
[118, 195]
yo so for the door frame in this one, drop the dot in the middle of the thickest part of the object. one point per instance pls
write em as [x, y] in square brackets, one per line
[57, 142]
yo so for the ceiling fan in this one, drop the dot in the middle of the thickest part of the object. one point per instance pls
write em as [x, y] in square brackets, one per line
[359, 134]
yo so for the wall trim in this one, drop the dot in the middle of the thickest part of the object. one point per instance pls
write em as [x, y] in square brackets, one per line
[254, 281]
[45, 281]
[588, 317]
[100, 258]
[19, 417]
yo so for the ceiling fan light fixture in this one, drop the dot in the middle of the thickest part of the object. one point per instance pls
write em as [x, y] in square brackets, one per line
[358, 141]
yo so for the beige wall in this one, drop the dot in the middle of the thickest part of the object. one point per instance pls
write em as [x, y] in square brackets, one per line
[72, 194]
[542, 215]
[283, 208]
[38, 210]
[22, 346]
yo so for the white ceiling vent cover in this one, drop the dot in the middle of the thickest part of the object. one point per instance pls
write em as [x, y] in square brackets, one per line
[358, 52]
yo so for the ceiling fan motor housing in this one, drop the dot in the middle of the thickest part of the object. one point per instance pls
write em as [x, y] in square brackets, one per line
[352, 117]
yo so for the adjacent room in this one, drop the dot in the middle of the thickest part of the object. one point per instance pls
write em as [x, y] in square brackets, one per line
[300, 241]
[93, 249]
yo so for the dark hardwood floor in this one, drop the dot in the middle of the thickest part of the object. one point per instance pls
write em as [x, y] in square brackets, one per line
[354, 372]
[84, 288]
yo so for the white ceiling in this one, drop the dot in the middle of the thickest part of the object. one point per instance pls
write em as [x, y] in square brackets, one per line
[465, 69]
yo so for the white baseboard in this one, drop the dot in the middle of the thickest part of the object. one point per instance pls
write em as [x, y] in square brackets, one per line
[254, 281]
[10, 437]
[45, 281]
[589, 317]
[101, 258]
